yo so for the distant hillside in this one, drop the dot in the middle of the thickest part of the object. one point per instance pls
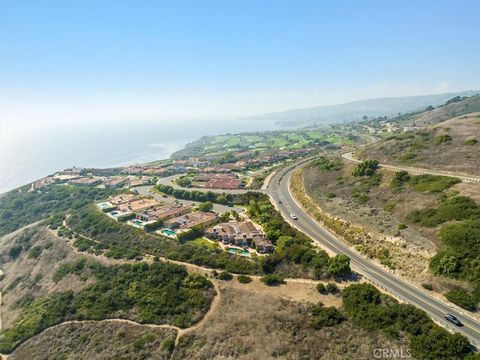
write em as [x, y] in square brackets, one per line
[357, 109]
[445, 112]
[450, 145]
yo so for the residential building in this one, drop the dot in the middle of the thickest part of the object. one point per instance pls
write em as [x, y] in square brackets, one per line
[114, 182]
[191, 220]
[85, 181]
[121, 199]
[74, 171]
[138, 205]
[164, 212]
[263, 246]
[236, 233]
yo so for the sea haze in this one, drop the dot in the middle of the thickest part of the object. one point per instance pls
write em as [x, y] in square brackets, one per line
[30, 152]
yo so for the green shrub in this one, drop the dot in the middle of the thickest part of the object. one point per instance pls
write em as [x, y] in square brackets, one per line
[400, 178]
[462, 298]
[184, 181]
[226, 276]
[324, 164]
[330, 195]
[449, 208]
[339, 265]
[39, 315]
[427, 286]
[432, 183]
[14, 251]
[325, 316]
[366, 168]
[35, 252]
[440, 139]
[244, 279]
[470, 142]
[440, 344]
[332, 288]
[402, 226]
[272, 280]
[168, 344]
[321, 289]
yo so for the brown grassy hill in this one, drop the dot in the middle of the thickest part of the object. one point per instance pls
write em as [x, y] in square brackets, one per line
[450, 145]
[446, 112]
[246, 325]
[26, 275]
[251, 321]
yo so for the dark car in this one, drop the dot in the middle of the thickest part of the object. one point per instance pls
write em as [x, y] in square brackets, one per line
[453, 319]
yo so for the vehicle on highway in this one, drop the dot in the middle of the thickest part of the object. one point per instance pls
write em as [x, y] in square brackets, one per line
[453, 319]
[293, 216]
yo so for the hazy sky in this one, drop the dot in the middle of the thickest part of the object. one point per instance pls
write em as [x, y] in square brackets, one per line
[99, 60]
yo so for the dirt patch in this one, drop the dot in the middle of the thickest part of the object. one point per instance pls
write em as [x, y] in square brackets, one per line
[262, 325]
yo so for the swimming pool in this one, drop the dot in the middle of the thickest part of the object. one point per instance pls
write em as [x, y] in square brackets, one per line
[238, 251]
[168, 232]
[137, 223]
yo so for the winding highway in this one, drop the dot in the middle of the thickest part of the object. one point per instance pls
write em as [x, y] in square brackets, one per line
[278, 189]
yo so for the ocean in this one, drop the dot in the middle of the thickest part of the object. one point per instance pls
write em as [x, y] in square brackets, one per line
[28, 153]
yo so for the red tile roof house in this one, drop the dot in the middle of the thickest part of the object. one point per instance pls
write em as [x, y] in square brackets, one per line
[84, 181]
[224, 183]
[121, 199]
[138, 204]
[236, 233]
[164, 212]
[114, 182]
[191, 220]
[263, 246]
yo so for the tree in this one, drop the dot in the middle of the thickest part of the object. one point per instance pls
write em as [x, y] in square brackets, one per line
[153, 226]
[244, 279]
[225, 276]
[325, 316]
[272, 280]
[206, 206]
[400, 178]
[322, 289]
[339, 265]
[366, 168]
[184, 181]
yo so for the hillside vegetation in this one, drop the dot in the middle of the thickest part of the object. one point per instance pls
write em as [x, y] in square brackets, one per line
[451, 145]
[158, 293]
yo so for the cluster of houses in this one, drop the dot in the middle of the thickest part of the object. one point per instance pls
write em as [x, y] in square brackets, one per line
[389, 127]
[154, 170]
[176, 217]
[74, 176]
[140, 211]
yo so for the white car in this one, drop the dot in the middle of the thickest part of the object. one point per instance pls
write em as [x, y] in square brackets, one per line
[293, 216]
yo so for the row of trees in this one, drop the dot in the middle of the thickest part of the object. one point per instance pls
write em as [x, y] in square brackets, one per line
[196, 195]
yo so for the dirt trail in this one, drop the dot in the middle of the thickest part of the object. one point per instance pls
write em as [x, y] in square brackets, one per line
[150, 259]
